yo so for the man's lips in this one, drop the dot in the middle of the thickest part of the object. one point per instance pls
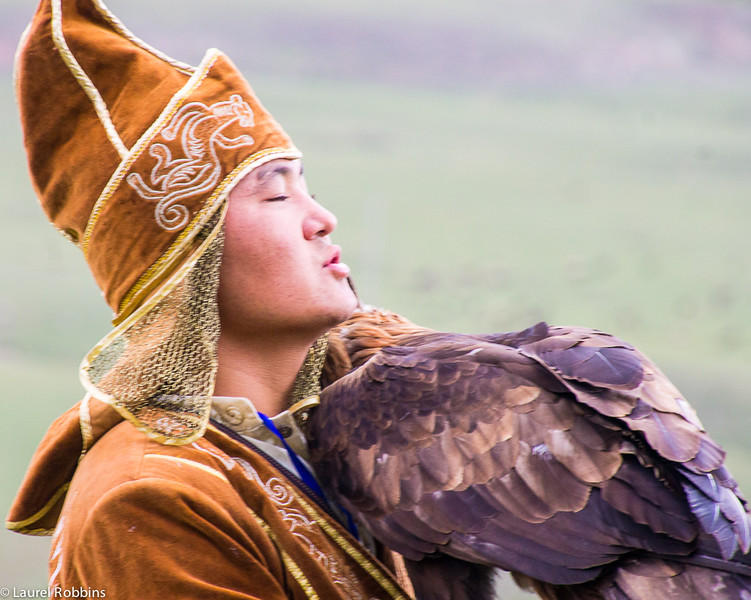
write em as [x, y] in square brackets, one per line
[338, 268]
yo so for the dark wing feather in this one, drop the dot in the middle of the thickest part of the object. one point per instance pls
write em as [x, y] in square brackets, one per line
[669, 425]
[617, 380]
[551, 452]
[436, 438]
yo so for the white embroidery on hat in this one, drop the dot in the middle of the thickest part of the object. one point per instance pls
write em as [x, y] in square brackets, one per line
[172, 180]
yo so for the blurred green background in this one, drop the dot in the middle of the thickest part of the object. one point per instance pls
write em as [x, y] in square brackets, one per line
[492, 163]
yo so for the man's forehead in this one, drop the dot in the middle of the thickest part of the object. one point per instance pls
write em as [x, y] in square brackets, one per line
[283, 167]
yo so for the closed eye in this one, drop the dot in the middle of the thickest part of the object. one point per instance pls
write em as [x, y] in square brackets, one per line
[277, 199]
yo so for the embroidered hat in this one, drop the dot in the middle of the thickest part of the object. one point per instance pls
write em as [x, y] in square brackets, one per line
[131, 152]
[133, 155]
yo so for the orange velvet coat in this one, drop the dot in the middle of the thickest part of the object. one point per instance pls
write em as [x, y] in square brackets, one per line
[211, 519]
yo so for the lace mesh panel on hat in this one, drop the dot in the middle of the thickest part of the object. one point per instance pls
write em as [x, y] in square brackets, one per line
[308, 380]
[159, 372]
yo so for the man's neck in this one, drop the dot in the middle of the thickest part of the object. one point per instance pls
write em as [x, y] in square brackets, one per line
[262, 372]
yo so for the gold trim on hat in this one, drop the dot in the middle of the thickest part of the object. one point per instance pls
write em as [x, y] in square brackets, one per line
[151, 277]
[117, 25]
[174, 104]
[80, 75]
[163, 436]
[58, 37]
[147, 282]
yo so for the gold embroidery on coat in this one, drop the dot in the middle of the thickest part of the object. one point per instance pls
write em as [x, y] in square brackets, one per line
[228, 463]
[290, 564]
[57, 553]
[84, 421]
[302, 527]
[368, 565]
[186, 461]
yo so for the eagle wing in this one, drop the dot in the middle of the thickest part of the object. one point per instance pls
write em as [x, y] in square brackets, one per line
[549, 452]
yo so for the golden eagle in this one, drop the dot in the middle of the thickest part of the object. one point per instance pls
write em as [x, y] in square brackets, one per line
[560, 454]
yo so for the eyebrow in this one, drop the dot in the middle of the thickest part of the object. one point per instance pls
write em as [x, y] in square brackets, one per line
[263, 175]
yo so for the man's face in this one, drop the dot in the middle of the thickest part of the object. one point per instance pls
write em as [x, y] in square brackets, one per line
[280, 273]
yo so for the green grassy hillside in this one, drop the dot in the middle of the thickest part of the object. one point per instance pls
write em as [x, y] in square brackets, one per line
[491, 164]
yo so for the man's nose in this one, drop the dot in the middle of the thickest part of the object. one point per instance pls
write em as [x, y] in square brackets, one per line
[320, 222]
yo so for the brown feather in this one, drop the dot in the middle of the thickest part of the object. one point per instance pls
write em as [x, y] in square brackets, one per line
[558, 452]
[586, 463]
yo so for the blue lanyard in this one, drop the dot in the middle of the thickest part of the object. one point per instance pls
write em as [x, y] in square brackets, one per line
[305, 473]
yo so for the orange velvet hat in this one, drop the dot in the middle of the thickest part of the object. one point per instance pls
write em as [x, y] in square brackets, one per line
[133, 156]
[131, 152]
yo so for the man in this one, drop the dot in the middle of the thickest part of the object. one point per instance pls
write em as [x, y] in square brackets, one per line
[281, 287]
[189, 203]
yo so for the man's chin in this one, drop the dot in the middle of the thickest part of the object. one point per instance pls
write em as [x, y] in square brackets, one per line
[342, 314]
